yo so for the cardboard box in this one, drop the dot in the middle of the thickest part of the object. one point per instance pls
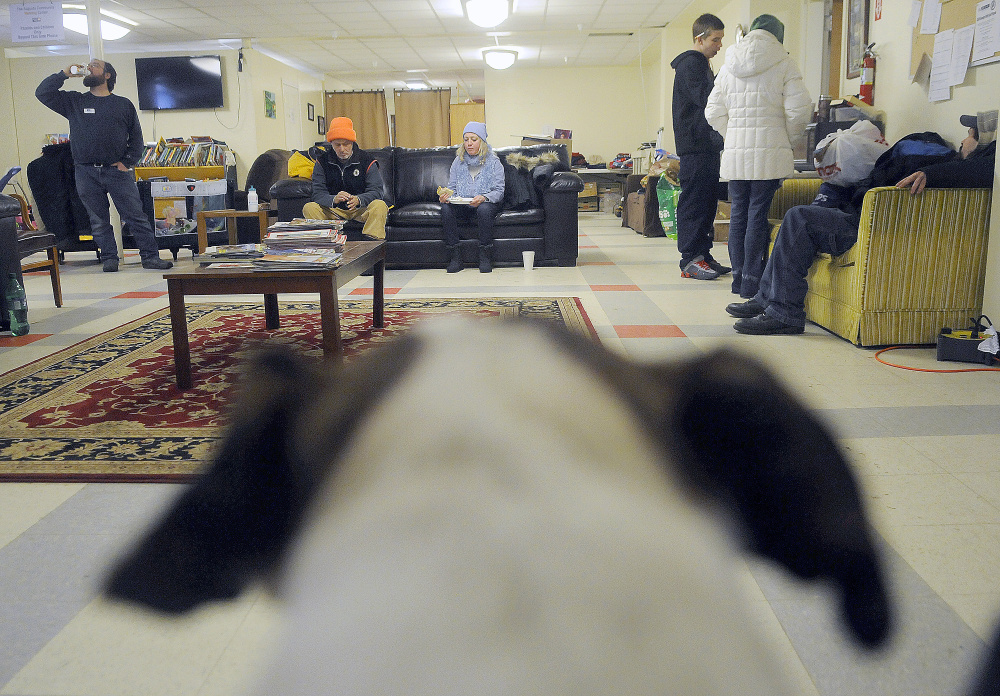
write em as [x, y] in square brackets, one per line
[635, 213]
[722, 222]
[589, 189]
[588, 206]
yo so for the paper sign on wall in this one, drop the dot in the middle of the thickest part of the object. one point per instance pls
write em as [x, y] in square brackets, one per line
[36, 21]
[987, 31]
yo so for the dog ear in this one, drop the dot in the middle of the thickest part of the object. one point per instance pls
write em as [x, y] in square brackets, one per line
[748, 442]
[234, 524]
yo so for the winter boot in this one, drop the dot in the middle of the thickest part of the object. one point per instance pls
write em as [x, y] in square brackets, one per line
[485, 259]
[455, 262]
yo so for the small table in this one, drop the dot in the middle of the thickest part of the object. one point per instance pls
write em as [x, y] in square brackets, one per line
[230, 215]
[358, 258]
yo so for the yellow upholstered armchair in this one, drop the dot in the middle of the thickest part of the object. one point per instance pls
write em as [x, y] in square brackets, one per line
[919, 264]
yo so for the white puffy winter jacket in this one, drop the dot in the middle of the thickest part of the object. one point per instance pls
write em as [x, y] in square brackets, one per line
[761, 107]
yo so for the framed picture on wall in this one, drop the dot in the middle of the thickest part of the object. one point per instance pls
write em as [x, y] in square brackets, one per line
[310, 112]
[321, 125]
[857, 35]
[270, 105]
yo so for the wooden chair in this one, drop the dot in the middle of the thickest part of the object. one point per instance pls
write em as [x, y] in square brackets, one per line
[31, 240]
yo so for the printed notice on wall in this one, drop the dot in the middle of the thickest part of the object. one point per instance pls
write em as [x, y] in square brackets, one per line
[931, 20]
[940, 89]
[960, 52]
[36, 21]
[987, 40]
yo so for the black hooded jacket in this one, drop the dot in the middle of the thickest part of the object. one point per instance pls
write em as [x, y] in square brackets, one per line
[693, 83]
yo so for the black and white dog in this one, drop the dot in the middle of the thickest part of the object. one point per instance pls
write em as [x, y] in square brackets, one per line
[500, 508]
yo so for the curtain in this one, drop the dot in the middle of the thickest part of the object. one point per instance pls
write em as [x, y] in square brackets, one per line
[423, 117]
[367, 111]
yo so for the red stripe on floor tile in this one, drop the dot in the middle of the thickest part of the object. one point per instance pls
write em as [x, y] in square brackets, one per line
[15, 341]
[615, 288]
[138, 295]
[371, 291]
[649, 331]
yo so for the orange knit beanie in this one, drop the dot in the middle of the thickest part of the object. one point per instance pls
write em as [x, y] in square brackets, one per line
[341, 128]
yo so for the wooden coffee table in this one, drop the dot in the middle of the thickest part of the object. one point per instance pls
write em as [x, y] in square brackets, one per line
[358, 258]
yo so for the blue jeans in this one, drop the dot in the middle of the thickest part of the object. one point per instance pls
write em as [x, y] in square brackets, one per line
[699, 179]
[485, 214]
[95, 184]
[806, 230]
[749, 231]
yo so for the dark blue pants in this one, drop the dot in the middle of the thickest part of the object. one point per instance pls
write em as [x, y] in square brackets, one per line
[485, 215]
[806, 230]
[95, 184]
[749, 231]
[699, 179]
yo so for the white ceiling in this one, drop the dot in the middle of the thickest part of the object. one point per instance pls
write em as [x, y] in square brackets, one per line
[373, 44]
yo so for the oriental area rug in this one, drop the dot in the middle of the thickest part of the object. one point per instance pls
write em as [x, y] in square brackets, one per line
[108, 409]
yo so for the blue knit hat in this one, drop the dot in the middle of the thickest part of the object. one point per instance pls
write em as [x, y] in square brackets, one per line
[475, 127]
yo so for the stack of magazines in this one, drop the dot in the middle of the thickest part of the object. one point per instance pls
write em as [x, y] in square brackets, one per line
[264, 257]
[323, 238]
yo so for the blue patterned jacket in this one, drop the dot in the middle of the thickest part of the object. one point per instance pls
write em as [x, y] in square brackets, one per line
[488, 183]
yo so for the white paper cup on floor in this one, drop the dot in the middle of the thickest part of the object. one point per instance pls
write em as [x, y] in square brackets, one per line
[529, 259]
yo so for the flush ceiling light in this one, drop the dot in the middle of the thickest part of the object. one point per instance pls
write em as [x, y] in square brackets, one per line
[416, 84]
[499, 58]
[76, 20]
[487, 13]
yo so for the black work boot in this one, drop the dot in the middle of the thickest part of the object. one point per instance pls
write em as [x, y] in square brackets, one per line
[485, 259]
[455, 262]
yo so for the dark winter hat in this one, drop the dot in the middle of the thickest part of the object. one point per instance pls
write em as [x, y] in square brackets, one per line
[112, 75]
[983, 124]
[772, 24]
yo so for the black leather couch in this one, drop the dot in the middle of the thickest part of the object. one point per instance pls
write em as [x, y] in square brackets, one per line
[539, 212]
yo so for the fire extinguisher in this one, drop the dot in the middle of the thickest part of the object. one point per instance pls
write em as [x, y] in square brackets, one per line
[867, 92]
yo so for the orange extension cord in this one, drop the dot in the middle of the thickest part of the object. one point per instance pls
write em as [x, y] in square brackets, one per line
[923, 369]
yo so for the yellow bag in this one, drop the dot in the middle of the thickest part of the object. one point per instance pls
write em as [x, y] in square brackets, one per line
[300, 165]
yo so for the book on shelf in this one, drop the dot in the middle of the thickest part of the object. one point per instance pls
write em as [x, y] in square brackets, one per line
[197, 151]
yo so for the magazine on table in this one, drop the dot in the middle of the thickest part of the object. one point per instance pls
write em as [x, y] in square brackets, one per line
[317, 238]
[298, 260]
[235, 251]
[306, 224]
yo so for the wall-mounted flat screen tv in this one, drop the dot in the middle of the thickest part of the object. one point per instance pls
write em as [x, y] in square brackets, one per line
[179, 82]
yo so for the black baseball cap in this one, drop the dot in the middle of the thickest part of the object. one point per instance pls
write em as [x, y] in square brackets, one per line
[970, 121]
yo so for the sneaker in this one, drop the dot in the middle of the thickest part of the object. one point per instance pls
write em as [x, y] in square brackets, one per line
[763, 325]
[718, 267]
[110, 265]
[157, 264]
[699, 270]
[745, 310]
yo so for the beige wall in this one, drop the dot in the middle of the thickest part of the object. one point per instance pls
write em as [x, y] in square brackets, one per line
[603, 106]
[240, 122]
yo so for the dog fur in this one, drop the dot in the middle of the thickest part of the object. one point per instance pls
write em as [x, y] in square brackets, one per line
[498, 508]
